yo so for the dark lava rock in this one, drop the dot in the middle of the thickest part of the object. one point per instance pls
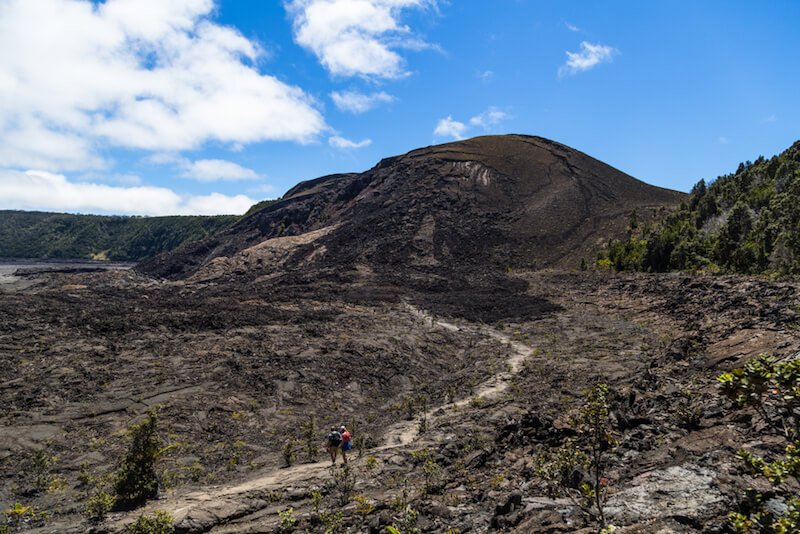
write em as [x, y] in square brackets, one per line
[476, 207]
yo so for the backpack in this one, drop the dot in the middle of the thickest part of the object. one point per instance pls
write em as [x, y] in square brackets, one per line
[334, 438]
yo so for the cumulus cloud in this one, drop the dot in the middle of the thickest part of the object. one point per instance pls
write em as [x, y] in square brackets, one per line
[448, 127]
[356, 102]
[346, 144]
[204, 170]
[212, 170]
[356, 37]
[39, 190]
[82, 76]
[489, 118]
[589, 57]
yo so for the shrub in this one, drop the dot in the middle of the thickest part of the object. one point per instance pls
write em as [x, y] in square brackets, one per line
[20, 514]
[576, 469]
[99, 505]
[406, 523]
[342, 483]
[41, 463]
[772, 389]
[433, 474]
[289, 456]
[159, 522]
[310, 438]
[316, 500]
[288, 521]
[332, 521]
[364, 506]
[137, 479]
[372, 463]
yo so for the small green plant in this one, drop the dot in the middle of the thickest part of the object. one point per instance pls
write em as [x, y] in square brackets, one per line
[400, 501]
[289, 455]
[21, 515]
[316, 500]
[433, 474]
[196, 471]
[137, 479]
[372, 463]
[57, 483]
[342, 483]
[85, 477]
[497, 481]
[687, 413]
[557, 469]
[310, 438]
[406, 523]
[274, 496]
[332, 521]
[363, 505]
[99, 505]
[409, 404]
[288, 521]
[420, 455]
[41, 464]
[159, 522]
[772, 389]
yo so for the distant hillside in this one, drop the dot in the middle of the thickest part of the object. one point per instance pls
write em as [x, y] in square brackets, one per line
[472, 208]
[26, 234]
[745, 222]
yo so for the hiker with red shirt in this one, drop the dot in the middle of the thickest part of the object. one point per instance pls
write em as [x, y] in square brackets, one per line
[346, 446]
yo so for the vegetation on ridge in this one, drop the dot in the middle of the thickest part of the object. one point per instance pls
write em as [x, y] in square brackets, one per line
[746, 222]
[26, 234]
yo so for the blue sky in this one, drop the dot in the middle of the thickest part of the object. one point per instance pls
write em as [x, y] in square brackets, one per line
[194, 106]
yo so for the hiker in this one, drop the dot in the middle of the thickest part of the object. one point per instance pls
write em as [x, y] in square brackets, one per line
[334, 440]
[345, 442]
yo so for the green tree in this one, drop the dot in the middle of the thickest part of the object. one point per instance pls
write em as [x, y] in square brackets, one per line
[136, 479]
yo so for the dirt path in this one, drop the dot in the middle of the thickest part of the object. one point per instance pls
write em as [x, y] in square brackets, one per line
[202, 510]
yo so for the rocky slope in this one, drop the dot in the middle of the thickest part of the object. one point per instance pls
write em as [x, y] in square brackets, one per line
[237, 369]
[489, 203]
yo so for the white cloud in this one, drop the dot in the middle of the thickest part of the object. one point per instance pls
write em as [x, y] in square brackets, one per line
[486, 75]
[572, 27]
[346, 144]
[489, 118]
[212, 170]
[204, 170]
[722, 140]
[79, 76]
[448, 127]
[590, 56]
[356, 102]
[356, 37]
[771, 118]
[38, 190]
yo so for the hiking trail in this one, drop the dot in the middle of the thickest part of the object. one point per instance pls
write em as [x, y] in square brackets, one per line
[211, 507]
